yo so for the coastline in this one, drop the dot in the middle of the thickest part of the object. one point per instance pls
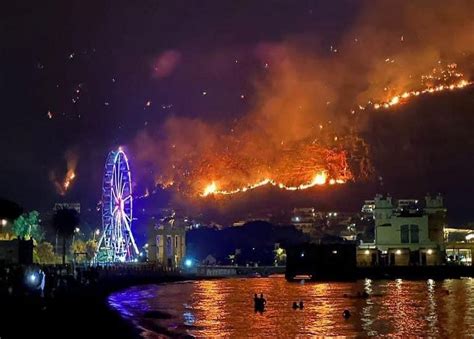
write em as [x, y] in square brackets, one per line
[82, 312]
[165, 310]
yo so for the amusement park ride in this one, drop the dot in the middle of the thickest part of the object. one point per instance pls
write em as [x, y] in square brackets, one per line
[116, 243]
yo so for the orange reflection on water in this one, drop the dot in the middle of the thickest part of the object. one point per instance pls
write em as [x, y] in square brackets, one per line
[458, 310]
[401, 307]
[224, 308]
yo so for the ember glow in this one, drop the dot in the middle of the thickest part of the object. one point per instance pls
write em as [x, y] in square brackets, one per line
[319, 179]
[329, 155]
[63, 185]
[296, 177]
[405, 96]
[441, 79]
[70, 176]
[306, 110]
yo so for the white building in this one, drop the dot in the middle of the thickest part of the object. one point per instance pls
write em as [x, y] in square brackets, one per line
[67, 205]
[459, 243]
[167, 242]
[407, 233]
[304, 219]
[368, 207]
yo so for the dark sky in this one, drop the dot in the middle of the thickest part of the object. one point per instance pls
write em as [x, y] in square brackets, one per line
[108, 52]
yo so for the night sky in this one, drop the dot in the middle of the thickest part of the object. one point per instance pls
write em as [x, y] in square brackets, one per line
[82, 78]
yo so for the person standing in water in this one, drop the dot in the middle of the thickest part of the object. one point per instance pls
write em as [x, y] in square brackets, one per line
[256, 302]
[263, 301]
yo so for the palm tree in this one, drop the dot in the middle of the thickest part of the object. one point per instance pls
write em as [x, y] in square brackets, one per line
[65, 221]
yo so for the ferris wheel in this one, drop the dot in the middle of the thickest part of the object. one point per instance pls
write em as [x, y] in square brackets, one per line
[117, 243]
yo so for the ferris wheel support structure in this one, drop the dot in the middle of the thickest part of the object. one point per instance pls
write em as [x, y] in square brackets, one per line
[117, 243]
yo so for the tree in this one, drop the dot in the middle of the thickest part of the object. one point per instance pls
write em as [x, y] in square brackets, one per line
[45, 254]
[27, 226]
[280, 256]
[78, 247]
[65, 221]
[84, 250]
[255, 241]
[91, 249]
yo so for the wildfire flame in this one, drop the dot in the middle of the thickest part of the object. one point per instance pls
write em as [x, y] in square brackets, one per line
[210, 189]
[405, 96]
[319, 179]
[298, 134]
[70, 176]
[62, 186]
[452, 81]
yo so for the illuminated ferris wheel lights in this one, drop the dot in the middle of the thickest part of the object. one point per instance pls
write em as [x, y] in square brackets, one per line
[117, 242]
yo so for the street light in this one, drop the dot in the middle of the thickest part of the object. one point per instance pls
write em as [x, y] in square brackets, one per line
[4, 222]
[32, 278]
[96, 233]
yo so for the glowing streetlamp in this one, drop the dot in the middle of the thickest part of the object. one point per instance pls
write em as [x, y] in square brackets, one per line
[96, 233]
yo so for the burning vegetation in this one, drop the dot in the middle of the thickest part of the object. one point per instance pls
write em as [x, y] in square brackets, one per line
[63, 185]
[309, 105]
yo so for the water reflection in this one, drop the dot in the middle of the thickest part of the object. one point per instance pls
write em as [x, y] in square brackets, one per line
[432, 316]
[224, 308]
[367, 310]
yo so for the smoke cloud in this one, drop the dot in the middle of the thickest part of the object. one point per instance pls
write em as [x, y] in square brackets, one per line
[311, 100]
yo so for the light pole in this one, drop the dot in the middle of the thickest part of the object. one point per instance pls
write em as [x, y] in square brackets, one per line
[96, 233]
[76, 230]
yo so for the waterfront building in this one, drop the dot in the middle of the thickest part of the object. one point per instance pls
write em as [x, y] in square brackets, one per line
[321, 261]
[459, 244]
[67, 205]
[304, 219]
[368, 207]
[240, 223]
[407, 232]
[167, 242]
